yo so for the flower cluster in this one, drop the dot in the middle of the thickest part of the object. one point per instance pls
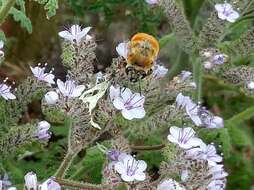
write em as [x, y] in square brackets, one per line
[196, 149]
[198, 114]
[226, 12]
[212, 58]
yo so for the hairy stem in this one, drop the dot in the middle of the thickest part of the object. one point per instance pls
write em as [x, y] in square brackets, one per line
[240, 117]
[153, 147]
[65, 165]
[197, 72]
[5, 9]
[78, 185]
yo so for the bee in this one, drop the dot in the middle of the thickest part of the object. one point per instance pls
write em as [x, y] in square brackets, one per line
[143, 50]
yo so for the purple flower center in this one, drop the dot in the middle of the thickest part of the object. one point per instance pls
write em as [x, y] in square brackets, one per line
[132, 167]
[113, 155]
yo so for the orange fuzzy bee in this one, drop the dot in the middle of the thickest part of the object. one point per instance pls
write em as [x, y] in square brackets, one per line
[142, 51]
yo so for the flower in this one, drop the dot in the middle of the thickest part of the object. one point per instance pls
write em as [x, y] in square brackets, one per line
[205, 152]
[152, 2]
[226, 12]
[113, 155]
[131, 169]
[1, 46]
[219, 59]
[75, 34]
[30, 181]
[39, 73]
[250, 85]
[4, 182]
[5, 92]
[182, 101]
[185, 75]
[218, 178]
[50, 184]
[42, 130]
[122, 49]
[159, 71]
[69, 88]
[169, 184]
[130, 104]
[51, 97]
[184, 137]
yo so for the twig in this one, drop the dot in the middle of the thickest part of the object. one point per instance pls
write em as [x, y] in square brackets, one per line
[78, 185]
[153, 147]
[64, 165]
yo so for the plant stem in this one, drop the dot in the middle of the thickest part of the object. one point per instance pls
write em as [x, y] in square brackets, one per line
[78, 185]
[5, 9]
[64, 165]
[153, 147]
[197, 72]
[240, 117]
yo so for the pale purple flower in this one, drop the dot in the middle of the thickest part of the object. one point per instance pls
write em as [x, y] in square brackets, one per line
[184, 137]
[75, 34]
[4, 182]
[131, 169]
[39, 73]
[113, 155]
[159, 71]
[202, 117]
[250, 85]
[30, 181]
[226, 12]
[130, 104]
[169, 184]
[5, 92]
[219, 59]
[50, 184]
[184, 175]
[205, 152]
[1, 46]
[182, 101]
[185, 75]
[42, 130]
[122, 49]
[218, 178]
[69, 88]
[51, 97]
[152, 2]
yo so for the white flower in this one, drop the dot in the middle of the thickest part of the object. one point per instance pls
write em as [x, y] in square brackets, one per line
[39, 73]
[250, 85]
[12, 188]
[130, 104]
[69, 88]
[5, 92]
[205, 152]
[184, 175]
[216, 122]
[131, 169]
[159, 71]
[192, 110]
[122, 49]
[185, 75]
[226, 12]
[1, 46]
[75, 34]
[50, 184]
[182, 101]
[42, 131]
[169, 184]
[217, 185]
[184, 137]
[51, 97]
[30, 181]
[219, 59]
[218, 178]
[152, 2]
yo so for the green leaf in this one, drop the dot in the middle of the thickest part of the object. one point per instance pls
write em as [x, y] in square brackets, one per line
[2, 36]
[51, 6]
[19, 16]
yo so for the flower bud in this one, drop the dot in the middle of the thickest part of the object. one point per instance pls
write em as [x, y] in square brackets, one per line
[30, 181]
[50, 184]
[43, 133]
[51, 97]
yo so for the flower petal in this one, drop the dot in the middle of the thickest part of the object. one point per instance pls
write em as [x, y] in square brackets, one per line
[118, 103]
[122, 49]
[66, 35]
[140, 176]
[127, 114]
[78, 91]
